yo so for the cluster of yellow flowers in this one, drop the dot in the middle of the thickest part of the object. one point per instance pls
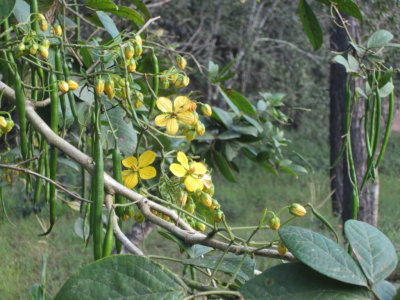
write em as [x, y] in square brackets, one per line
[182, 111]
[6, 125]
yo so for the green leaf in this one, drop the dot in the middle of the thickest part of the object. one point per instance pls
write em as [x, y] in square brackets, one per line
[380, 38]
[128, 13]
[223, 116]
[223, 166]
[230, 264]
[386, 89]
[384, 290]
[343, 61]
[296, 281]
[351, 8]
[21, 11]
[127, 135]
[142, 8]
[386, 77]
[353, 63]
[239, 101]
[322, 254]
[311, 25]
[7, 7]
[105, 5]
[108, 24]
[123, 277]
[373, 250]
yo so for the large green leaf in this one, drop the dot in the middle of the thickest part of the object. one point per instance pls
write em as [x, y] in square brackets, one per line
[322, 254]
[373, 250]
[311, 25]
[384, 290]
[108, 24]
[105, 5]
[123, 277]
[223, 166]
[351, 8]
[239, 101]
[297, 281]
[380, 38]
[128, 13]
[21, 11]
[7, 7]
[142, 7]
[230, 264]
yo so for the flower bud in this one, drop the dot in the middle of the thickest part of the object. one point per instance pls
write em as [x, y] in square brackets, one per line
[189, 134]
[185, 80]
[21, 47]
[73, 85]
[165, 84]
[297, 210]
[282, 249]
[33, 49]
[207, 110]
[109, 87]
[9, 126]
[138, 50]
[200, 226]
[192, 106]
[131, 66]
[46, 43]
[181, 62]
[218, 215]
[138, 103]
[3, 122]
[58, 30]
[196, 118]
[111, 95]
[63, 86]
[99, 87]
[139, 218]
[206, 199]
[200, 128]
[190, 207]
[43, 52]
[274, 223]
[138, 40]
[129, 51]
[210, 190]
[122, 82]
[43, 25]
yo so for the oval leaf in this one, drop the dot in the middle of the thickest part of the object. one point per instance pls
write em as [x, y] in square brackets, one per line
[240, 101]
[384, 290]
[223, 166]
[297, 281]
[322, 254]
[7, 7]
[379, 39]
[123, 277]
[351, 8]
[373, 250]
[311, 25]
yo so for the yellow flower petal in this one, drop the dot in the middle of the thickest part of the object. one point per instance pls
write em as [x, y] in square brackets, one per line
[130, 181]
[164, 104]
[161, 120]
[186, 118]
[182, 158]
[178, 170]
[146, 158]
[199, 168]
[172, 126]
[193, 184]
[126, 172]
[147, 173]
[181, 104]
[129, 162]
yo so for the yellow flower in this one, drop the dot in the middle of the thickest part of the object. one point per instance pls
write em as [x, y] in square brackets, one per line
[174, 113]
[192, 173]
[137, 169]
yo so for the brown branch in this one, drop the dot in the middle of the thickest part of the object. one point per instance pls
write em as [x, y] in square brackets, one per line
[179, 228]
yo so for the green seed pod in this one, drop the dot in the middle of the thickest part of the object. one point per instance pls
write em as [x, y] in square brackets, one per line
[200, 226]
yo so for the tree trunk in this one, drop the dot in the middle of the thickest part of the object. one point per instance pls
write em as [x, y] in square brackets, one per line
[340, 184]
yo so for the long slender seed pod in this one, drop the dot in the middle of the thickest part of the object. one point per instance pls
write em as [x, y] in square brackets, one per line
[53, 150]
[41, 170]
[98, 185]
[388, 129]
[109, 238]
[59, 69]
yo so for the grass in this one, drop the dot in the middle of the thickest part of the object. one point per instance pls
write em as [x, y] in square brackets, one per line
[243, 202]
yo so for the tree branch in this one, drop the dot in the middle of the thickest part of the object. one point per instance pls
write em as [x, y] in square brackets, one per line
[179, 228]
